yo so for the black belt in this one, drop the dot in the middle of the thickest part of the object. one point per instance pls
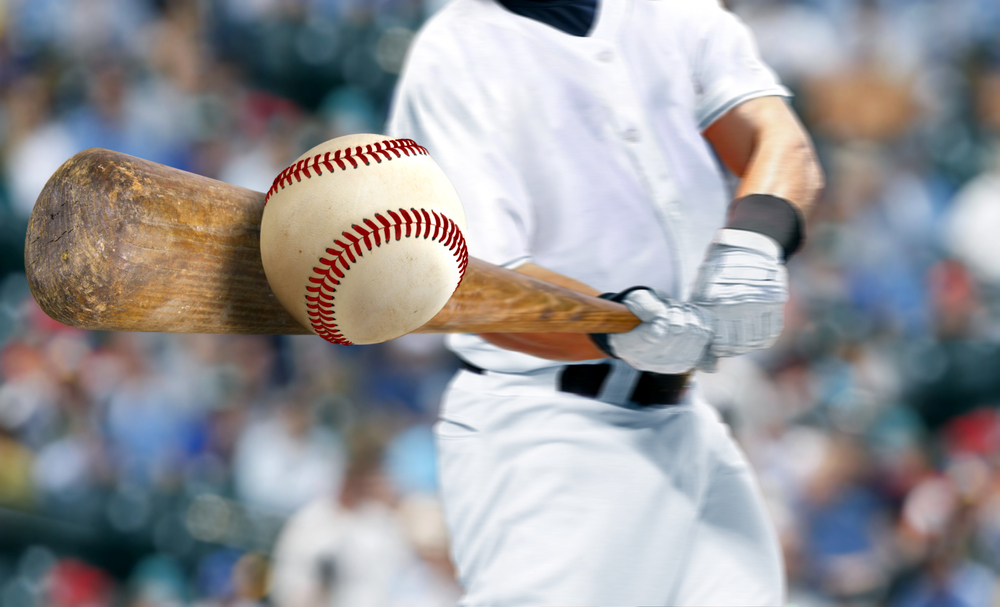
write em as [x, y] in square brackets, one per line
[588, 380]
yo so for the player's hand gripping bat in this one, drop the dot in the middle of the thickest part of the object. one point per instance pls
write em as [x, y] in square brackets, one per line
[123, 244]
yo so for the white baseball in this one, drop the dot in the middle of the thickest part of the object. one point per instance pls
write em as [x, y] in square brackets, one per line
[362, 240]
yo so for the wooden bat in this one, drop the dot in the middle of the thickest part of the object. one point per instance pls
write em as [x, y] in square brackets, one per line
[123, 244]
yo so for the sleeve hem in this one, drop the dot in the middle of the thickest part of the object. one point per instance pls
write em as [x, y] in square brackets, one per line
[709, 114]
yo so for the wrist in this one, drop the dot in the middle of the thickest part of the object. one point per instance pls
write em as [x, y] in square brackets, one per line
[771, 216]
[747, 239]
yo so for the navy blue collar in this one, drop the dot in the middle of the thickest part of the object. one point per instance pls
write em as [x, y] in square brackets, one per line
[575, 17]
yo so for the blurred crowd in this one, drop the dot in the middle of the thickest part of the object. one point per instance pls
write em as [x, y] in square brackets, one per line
[159, 470]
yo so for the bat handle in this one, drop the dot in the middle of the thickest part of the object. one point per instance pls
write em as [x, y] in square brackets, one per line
[492, 299]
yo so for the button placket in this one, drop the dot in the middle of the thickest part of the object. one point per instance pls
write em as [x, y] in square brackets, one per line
[632, 125]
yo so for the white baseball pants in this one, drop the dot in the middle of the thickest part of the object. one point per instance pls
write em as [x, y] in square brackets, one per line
[555, 499]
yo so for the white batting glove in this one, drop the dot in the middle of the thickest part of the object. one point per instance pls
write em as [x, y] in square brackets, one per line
[744, 284]
[672, 338]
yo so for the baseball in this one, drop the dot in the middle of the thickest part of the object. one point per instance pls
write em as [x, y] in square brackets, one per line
[361, 239]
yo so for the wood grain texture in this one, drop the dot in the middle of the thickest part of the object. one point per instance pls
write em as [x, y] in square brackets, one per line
[123, 244]
[492, 299]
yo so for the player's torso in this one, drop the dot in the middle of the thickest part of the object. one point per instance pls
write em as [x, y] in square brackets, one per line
[603, 131]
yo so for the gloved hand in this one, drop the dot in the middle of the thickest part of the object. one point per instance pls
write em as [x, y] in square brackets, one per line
[672, 338]
[744, 284]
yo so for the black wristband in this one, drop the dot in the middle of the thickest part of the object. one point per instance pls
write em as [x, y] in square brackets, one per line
[771, 216]
[601, 339]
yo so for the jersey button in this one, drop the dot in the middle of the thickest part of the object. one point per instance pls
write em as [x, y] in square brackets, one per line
[631, 135]
[605, 56]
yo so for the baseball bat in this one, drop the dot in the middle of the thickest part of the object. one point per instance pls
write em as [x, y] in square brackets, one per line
[123, 244]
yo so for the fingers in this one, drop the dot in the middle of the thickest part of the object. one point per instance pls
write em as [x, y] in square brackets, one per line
[744, 284]
[645, 305]
[672, 338]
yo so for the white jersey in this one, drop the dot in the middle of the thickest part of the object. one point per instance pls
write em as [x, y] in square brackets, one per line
[583, 155]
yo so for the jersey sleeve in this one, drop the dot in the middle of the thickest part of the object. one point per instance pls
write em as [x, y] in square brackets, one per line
[728, 69]
[442, 111]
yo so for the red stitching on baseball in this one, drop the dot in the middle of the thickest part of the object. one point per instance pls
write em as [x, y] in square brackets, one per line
[349, 158]
[320, 298]
[402, 223]
[308, 166]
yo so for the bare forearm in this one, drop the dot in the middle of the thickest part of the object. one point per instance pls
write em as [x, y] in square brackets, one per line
[785, 167]
[764, 144]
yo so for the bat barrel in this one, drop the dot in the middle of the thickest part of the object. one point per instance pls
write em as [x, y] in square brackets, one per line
[119, 243]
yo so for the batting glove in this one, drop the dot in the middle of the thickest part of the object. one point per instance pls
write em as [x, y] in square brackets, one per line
[744, 284]
[672, 338]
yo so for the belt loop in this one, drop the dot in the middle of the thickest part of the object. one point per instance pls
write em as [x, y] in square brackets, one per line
[619, 383]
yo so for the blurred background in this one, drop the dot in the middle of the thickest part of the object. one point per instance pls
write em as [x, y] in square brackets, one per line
[161, 470]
